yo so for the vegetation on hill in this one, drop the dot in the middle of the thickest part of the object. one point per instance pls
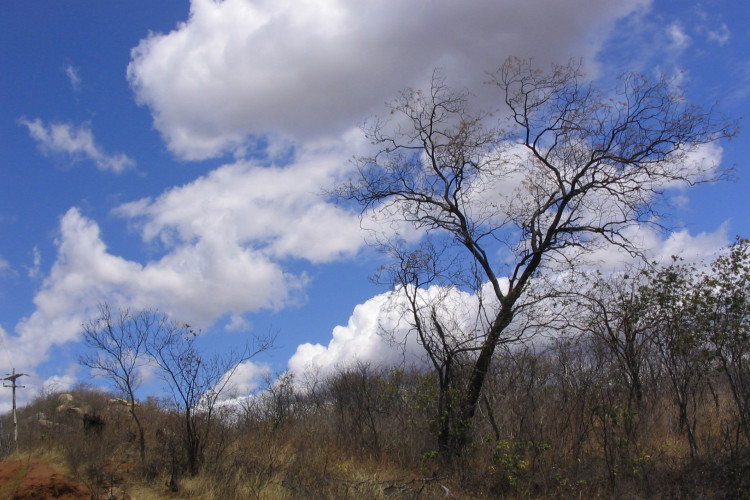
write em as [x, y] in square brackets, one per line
[642, 391]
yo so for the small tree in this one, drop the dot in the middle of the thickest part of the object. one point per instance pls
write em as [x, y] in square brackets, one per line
[425, 302]
[118, 344]
[615, 311]
[574, 169]
[195, 381]
[680, 341]
[723, 306]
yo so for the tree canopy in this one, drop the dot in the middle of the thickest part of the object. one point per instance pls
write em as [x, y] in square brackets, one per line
[561, 169]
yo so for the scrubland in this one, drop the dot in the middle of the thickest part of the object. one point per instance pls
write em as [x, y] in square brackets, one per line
[559, 422]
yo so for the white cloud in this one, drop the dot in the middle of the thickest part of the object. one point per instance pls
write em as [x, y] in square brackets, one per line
[359, 340]
[277, 210]
[680, 201]
[312, 69]
[13, 355]
[702, 246]
[237, 323]
[198, 282]
[75, 80]
[33, 270]
[4, 266]
[658, 247]
[362, 340]
[679, 40]
[76, 142]
[702, 160]
[245, 380]
[720, 35]
[379, 332]
[224, 238]
[61, 383]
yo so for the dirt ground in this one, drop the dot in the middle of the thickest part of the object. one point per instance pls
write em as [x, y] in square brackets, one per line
[36, 480]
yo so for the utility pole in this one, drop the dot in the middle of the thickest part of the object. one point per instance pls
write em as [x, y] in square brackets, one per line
[13, 377]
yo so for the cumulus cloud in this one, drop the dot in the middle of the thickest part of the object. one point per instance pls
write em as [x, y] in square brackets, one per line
[375, 334]
[311, 69]
[358, 341]
[702, 246]
[9, 348]
[244, 380]
[60, 383]
[75, 142]
[198, 281]
[659, 247]
[223, 240]
[379, 331]
[279, 210]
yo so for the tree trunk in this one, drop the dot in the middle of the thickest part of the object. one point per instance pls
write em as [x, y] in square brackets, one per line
[141, 436]
[470, 398]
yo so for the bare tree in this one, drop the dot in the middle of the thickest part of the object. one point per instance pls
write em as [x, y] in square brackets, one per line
[124, 343]
[573, 170]
[118, 344]
[425, 303]
[195, 381]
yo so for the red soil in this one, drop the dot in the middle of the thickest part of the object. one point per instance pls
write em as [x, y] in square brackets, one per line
[35, 480]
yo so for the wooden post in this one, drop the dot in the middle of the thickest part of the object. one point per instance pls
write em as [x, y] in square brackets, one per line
[13, 377]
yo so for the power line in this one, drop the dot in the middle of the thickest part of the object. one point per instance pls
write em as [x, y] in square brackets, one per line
[13, 377]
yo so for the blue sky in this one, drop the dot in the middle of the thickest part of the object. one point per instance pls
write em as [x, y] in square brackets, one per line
[173, 154]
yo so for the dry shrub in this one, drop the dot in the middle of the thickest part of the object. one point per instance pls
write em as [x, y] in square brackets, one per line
[552, 423]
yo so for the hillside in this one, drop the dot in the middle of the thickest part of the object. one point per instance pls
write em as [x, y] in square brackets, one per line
[369, 433]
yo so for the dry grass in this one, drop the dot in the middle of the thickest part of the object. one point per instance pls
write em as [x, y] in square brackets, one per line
[544, 443]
